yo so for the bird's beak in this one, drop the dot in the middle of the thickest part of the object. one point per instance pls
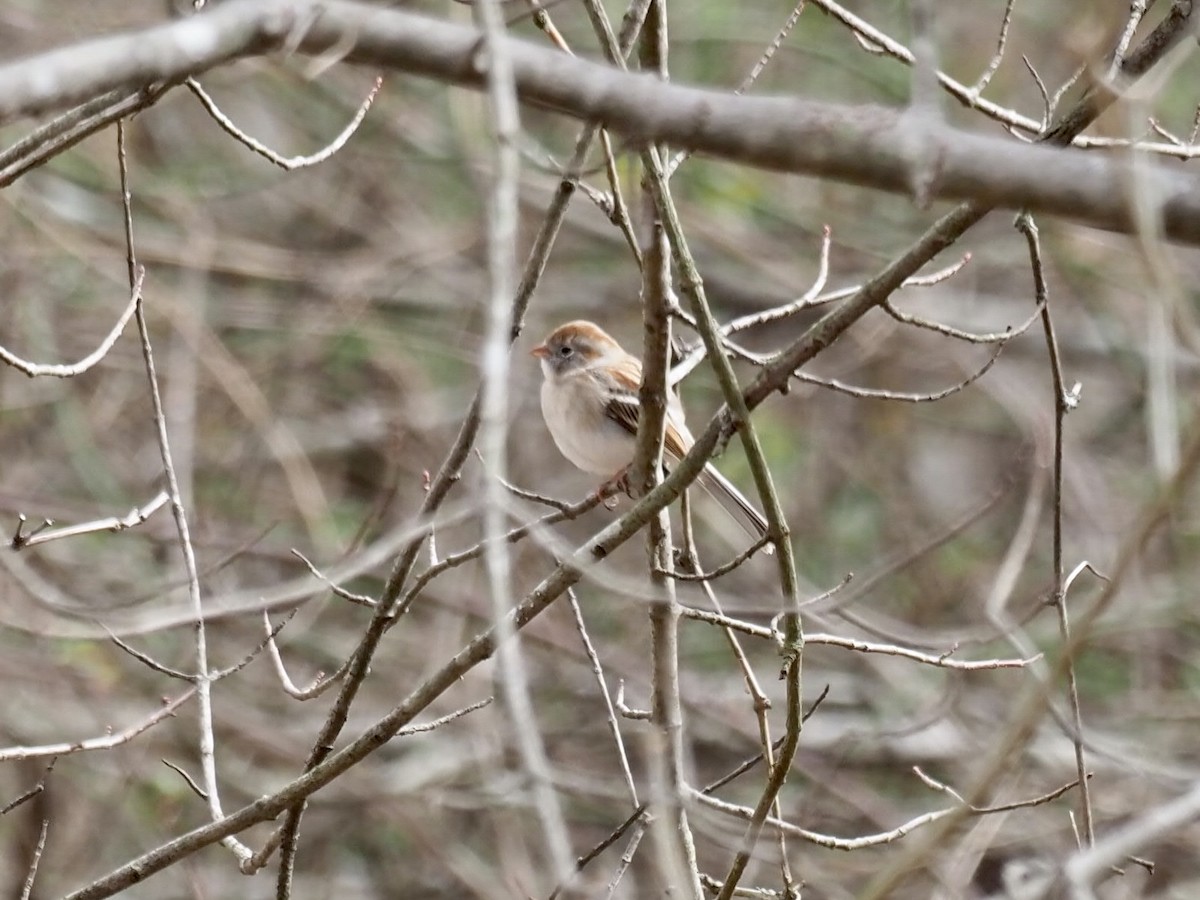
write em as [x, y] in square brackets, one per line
[541, 351]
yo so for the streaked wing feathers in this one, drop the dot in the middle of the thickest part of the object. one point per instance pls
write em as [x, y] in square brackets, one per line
[624, 409]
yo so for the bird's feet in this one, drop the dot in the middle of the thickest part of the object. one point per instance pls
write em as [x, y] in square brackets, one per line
[608, 490]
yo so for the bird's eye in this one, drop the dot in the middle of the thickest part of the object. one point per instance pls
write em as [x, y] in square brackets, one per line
[565, 351]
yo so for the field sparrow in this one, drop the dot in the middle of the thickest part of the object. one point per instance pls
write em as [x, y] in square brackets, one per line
[590, 403]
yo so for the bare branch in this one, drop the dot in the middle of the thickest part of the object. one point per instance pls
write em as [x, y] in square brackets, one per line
[609, 709]
[152, 663]
[107, 742]
[287, 163]
[627, 711]
[745, 813]
[957, 333]
[1062, 405]
[32, 792]
[203, 681]
[320, 683]
[67, 130]
[31, 875]
[941, 660]
[723, 569]
[444, 720]
[811, 297]
[191, 782]
[131, 519]
[984, 79]
[883, 394]
[360, 599]
[34, 370]
[861, 146]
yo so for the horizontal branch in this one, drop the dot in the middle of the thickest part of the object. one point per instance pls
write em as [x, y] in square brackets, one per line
[869, 146]
[107, 742]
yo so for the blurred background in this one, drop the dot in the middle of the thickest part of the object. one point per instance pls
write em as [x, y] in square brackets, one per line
[317, 335]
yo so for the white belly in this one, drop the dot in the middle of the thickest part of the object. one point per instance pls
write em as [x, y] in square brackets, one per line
[581, 430]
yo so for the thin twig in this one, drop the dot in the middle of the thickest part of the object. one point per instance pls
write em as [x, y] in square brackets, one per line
[32, 792]
[624, 709]
[941, 660]
[609, 710]
[886, 837]
[207, 743]
[287, 163]
[1047, 102]
[360, 599]
[55, 370]
[151, 662]
[31, 875]
[437, 723]
[1066, 86]
[131, 519]
[1137, 10]
[635, 841]
[757, 69]
[991, 337]
[695, 354]
[105, 742]
[320, 683]
[1062, 405]
[191, 782]
[723, 569]
[898, 396]
[978, 87]
[218, 674]
[747, 814]
[888, 46]
[1039, 800]
[453, 560]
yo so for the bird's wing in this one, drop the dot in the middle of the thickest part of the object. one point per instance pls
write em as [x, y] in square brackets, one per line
[621, 388]
[624, 409]
[623, 406]
[621, 385]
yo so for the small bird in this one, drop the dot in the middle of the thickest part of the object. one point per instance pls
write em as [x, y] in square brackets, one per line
[590, 404]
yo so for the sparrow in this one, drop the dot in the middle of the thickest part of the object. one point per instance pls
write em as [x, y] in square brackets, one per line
[590, 404]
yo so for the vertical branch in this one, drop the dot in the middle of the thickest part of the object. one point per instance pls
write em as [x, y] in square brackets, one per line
[207, 747]
[736, 402]
[923, 103]
[31, 874]
[1063, 403]
[676, 850]
[610, 713]
[762, 704]
[494, 412]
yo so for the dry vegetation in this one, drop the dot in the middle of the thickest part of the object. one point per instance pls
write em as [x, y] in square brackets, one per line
[318, 337]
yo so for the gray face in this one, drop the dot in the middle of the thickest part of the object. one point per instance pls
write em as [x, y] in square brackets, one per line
[568, 352]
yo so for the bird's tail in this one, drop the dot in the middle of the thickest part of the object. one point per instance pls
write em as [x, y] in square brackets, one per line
[735, 503]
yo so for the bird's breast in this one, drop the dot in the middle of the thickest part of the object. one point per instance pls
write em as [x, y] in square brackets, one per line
[574, 413]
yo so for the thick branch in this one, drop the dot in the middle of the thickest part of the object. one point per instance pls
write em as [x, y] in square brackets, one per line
[869, 146]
